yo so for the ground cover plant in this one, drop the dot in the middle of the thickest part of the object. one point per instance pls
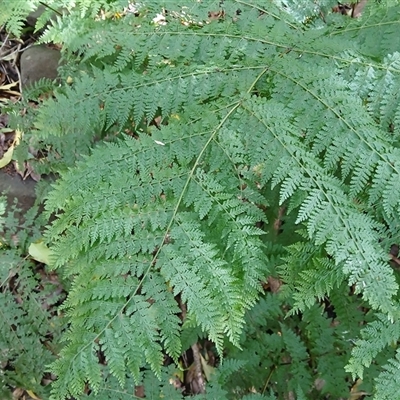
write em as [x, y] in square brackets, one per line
[225, 218]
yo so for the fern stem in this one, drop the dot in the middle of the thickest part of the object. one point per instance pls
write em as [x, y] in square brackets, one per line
[268, 379]
[265, 11]
[50, 8]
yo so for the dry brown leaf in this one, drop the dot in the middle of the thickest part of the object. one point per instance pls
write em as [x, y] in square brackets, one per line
[274, 284]
[355, 393]
[27, 171]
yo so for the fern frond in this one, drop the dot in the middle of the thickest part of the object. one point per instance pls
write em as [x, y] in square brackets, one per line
[301, 378]
[376, 336]
[388, 380]
[377, 34]
[190, 256]
[25, 323]
[14, 13]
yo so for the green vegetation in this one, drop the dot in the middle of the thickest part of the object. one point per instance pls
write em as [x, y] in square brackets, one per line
[228, 181]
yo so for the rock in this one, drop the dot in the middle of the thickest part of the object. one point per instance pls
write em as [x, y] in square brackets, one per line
[52, 14]
[32, 18]
[15, 187]
[38, 62]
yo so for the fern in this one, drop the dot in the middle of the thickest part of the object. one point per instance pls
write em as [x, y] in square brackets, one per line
[183, 197]
[212, 132]
[30, 328]
[14, 13]
[388, 379]
[376, 336]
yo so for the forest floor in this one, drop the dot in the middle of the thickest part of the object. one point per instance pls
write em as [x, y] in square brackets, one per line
[16, 183]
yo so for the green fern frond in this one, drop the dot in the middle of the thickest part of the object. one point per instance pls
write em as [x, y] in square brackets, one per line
[388, 380]
[376, 336]
[377, 34]
[14, 13]
[30, 329]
